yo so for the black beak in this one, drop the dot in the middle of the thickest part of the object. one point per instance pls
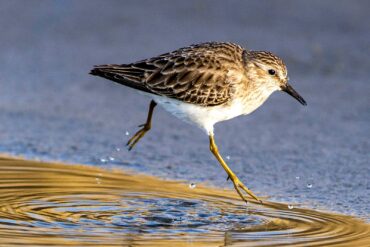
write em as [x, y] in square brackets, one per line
[290, 90]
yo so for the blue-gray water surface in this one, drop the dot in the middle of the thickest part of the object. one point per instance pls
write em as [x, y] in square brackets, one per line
[51, 109]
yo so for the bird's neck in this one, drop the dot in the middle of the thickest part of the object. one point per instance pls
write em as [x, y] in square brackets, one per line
[254, 95]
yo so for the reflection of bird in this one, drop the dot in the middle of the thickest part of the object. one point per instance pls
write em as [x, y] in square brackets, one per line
[204, 84]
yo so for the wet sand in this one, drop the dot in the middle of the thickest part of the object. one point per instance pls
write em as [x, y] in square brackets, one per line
[80, 205]
[51, 109]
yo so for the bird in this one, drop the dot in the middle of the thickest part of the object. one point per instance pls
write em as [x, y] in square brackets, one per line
[204, 84]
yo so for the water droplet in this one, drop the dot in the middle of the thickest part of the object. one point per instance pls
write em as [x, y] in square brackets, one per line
[127, 133]
[118, 149]
[103, 160]
[111, 159]
[228, 157]
[192, 186]
[309, 186]
[297, 177]
[290, 206]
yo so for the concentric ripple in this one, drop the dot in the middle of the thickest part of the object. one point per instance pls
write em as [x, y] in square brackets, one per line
[75, 205]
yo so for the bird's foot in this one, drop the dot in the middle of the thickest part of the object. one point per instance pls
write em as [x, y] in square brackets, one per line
[138, 135]
[239, 186]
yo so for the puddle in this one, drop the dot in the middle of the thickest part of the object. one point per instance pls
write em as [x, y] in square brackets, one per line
[76, 205]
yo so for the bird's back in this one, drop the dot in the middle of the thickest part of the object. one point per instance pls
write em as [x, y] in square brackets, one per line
[196, 74]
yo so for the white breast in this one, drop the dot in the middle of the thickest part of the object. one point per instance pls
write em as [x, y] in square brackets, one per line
[201, 116]
[206, 117]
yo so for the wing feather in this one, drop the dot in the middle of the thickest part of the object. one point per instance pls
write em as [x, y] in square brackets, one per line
[196, 74]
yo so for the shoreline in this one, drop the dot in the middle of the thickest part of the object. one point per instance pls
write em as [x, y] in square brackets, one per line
[36, 192]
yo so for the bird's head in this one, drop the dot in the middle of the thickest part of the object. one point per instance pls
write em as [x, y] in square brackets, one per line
[269, 72]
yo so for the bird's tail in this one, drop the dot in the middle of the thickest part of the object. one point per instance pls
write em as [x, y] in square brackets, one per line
[122, 74]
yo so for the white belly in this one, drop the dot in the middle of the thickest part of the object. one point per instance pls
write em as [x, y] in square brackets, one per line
[203, 117]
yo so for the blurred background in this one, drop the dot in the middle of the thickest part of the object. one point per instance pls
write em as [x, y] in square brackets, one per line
[52, 109]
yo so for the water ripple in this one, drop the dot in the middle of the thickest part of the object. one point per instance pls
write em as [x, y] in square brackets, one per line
[74, 205]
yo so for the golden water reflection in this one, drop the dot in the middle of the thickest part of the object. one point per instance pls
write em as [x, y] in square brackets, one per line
[75, 205]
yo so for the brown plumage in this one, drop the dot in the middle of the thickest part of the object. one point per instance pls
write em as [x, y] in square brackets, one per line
[196, 74]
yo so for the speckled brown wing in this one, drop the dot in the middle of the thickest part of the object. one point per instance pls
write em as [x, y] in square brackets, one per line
[196, 74]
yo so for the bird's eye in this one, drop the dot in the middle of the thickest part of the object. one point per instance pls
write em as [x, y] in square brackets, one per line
[271, 72]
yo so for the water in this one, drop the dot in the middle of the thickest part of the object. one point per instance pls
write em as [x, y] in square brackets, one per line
[56, 204]
[192, 186]
[51, 109]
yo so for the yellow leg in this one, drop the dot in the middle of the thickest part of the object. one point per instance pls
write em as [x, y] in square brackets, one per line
[238, 185]
[145, 127]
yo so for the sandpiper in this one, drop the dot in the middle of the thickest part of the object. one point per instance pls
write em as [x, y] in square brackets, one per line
[204, 84]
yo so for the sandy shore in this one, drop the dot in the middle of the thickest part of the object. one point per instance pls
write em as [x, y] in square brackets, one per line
[51, 109]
